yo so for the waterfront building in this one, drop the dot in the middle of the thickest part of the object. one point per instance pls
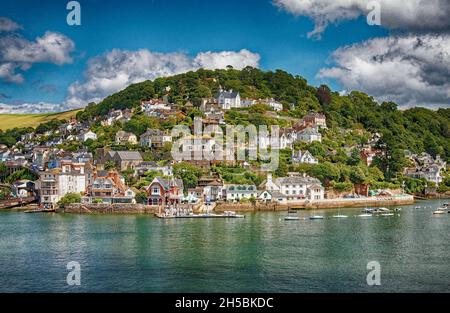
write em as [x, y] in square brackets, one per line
[109, 187]
[54, 184]
[272, 196]
[295, 187]
[163, 191]
[237, 192]
[212, 187]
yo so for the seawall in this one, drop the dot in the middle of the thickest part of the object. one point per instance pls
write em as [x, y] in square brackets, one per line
[109, 209]
[320, 204]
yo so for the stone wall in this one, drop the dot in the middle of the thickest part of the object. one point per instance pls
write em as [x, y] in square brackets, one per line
[103, 208]
[319, 204]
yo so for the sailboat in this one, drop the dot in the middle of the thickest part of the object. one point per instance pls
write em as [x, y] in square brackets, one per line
[290, 217]
[368, 213]
[316, 217]
[441, 210]
[339, 215]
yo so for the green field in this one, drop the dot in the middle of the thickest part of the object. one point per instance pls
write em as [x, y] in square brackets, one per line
[8, 121]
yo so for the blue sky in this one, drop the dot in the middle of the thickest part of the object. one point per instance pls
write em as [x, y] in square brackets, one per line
[277, 35]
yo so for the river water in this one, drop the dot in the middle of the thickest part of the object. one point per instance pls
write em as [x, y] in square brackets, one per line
[261, 253]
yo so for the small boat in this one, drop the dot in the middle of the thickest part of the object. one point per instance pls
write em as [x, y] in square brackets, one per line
[292, 216]
[417, 207]
[365, 215]
[397, 209]
[439, 211]
[366, 210]
[340, 216]
[316, 217]
[40, 211]
[387, 214]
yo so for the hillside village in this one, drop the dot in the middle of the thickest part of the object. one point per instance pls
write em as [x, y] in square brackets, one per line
[123, 157]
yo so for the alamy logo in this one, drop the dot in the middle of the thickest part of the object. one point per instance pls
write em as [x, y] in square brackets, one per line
[240, 143]
[74, 276]
[74, 16]
[374, 16]
[374, 276]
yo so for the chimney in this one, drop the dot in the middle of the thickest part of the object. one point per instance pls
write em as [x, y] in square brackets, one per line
[269, 178]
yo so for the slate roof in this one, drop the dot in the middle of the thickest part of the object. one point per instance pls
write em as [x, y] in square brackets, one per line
[227, 94]
[129, 155]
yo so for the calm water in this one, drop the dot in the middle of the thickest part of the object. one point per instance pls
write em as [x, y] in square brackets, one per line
[261, 253]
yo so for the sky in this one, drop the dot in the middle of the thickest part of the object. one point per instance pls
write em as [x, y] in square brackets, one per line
[47, 65]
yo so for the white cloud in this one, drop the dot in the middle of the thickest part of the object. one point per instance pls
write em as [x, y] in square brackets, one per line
[117, 69]
[409, 15]
[8, 25]
[18, 54]
[212, 60]
[410, 70]
[30, 108]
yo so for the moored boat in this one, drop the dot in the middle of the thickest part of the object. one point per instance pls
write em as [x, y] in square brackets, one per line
[340, 216]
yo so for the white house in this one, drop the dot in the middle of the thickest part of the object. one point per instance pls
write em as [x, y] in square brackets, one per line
[88, 135]
[228, 99]
[295, 187]
[309, 135]
[277, 106]
[125, 137]
[238, 192]
[299, 157]
[287, 138]
[272, 196]
[56, 183]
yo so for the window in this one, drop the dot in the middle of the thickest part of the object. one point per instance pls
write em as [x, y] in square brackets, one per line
[155, 191]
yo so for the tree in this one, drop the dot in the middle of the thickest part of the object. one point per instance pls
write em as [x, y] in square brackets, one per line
[355, 158]
[69, 198]
[141, 197]
[21, 174]
[324, 95]
[188, 173]
[109, 165]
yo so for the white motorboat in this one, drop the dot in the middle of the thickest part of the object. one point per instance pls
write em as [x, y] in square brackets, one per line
[365, 215]
[316, 217]
[340, 216]
[439, 211]
[387, 214]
